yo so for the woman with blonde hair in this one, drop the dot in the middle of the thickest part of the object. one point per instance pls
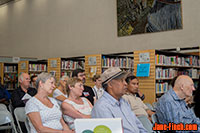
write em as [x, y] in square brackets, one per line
[75, 106]
[43, 112]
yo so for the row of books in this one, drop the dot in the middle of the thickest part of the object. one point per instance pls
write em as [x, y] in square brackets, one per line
[69, 64]
[176, 60]
[168, 73]
[37, 67]
[8, 77]
[8, 69]
[66, 73]
[118, 62]
[162, 87]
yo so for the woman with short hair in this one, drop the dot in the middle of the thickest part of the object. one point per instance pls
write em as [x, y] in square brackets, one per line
[43, 112]
[75, 106]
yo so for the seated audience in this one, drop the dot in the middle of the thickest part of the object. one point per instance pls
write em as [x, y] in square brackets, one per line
[97, 89]
[33, 81]
[172, 108]
[44, 112]
[112, 105]
[24, 88]
[87, 92]
[136, 103]
[75, 106]
[60, 94]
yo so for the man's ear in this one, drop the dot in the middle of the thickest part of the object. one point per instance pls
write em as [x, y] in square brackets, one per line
[181, 86]
[110, 84]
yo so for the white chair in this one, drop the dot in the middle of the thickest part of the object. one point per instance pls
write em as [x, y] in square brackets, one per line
[10, 107]
[146, 123]
[7, 121]
[3, 107]
[21, 117]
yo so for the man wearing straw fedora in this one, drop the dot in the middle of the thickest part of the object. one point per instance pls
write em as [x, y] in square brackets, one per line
[112, 105]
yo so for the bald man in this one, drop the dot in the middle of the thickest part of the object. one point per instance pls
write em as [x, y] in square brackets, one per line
[172, 107]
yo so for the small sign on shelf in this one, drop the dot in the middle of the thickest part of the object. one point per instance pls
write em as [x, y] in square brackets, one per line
[143, 70]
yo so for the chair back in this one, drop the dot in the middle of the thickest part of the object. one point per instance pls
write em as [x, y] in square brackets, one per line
[146, 123]
[3, 107]
[20, 116]
[7, 121]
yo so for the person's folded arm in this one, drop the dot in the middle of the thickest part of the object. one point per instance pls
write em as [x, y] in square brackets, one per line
[61, 98]
[69, 110]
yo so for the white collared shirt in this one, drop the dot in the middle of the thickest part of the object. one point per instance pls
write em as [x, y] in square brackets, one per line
[98, 92]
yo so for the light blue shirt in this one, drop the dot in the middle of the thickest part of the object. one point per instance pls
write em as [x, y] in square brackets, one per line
[170, 108]
[108, 107]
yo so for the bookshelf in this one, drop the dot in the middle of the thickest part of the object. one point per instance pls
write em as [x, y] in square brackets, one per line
[64, 66]
[164, 66]
[97, 64]
[32, 67]
[9, 75]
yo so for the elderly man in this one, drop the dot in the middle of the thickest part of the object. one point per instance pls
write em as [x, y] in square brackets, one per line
[112, 105]
[24, 88]
[172, 108]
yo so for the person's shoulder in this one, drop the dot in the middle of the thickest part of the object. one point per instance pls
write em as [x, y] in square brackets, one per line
[102, 103]
[16, 91]
[87, 87]
[32, 100]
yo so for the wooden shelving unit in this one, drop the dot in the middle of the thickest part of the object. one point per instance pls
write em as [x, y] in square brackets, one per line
[147, 84]
[161, 73]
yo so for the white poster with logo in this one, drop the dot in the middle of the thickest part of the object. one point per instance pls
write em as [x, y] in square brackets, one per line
[98, 125]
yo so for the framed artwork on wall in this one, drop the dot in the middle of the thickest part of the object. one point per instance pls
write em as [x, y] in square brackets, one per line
[147, 16]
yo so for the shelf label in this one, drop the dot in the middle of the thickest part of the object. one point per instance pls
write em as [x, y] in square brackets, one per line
[144, 57]
[23, 66]
[92, 61]
[53, 63]
[15, 59]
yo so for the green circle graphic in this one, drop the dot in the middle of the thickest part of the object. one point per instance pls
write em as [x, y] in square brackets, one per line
[87, 131]
[102, 129]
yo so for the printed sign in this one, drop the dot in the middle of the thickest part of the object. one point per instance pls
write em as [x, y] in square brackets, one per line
[98, 125]
[143, 70]
[144, 57]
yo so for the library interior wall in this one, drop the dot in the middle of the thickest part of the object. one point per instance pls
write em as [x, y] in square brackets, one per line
[66, 28]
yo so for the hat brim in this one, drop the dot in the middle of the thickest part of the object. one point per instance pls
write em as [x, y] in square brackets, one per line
[119, 75]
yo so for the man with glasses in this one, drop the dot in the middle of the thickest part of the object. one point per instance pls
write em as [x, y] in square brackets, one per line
[88, 92]
[24, 88]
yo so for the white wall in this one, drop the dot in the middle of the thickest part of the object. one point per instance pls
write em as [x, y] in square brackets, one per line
[63, 28]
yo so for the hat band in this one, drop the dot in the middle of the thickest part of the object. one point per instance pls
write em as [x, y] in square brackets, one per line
[112, 77]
